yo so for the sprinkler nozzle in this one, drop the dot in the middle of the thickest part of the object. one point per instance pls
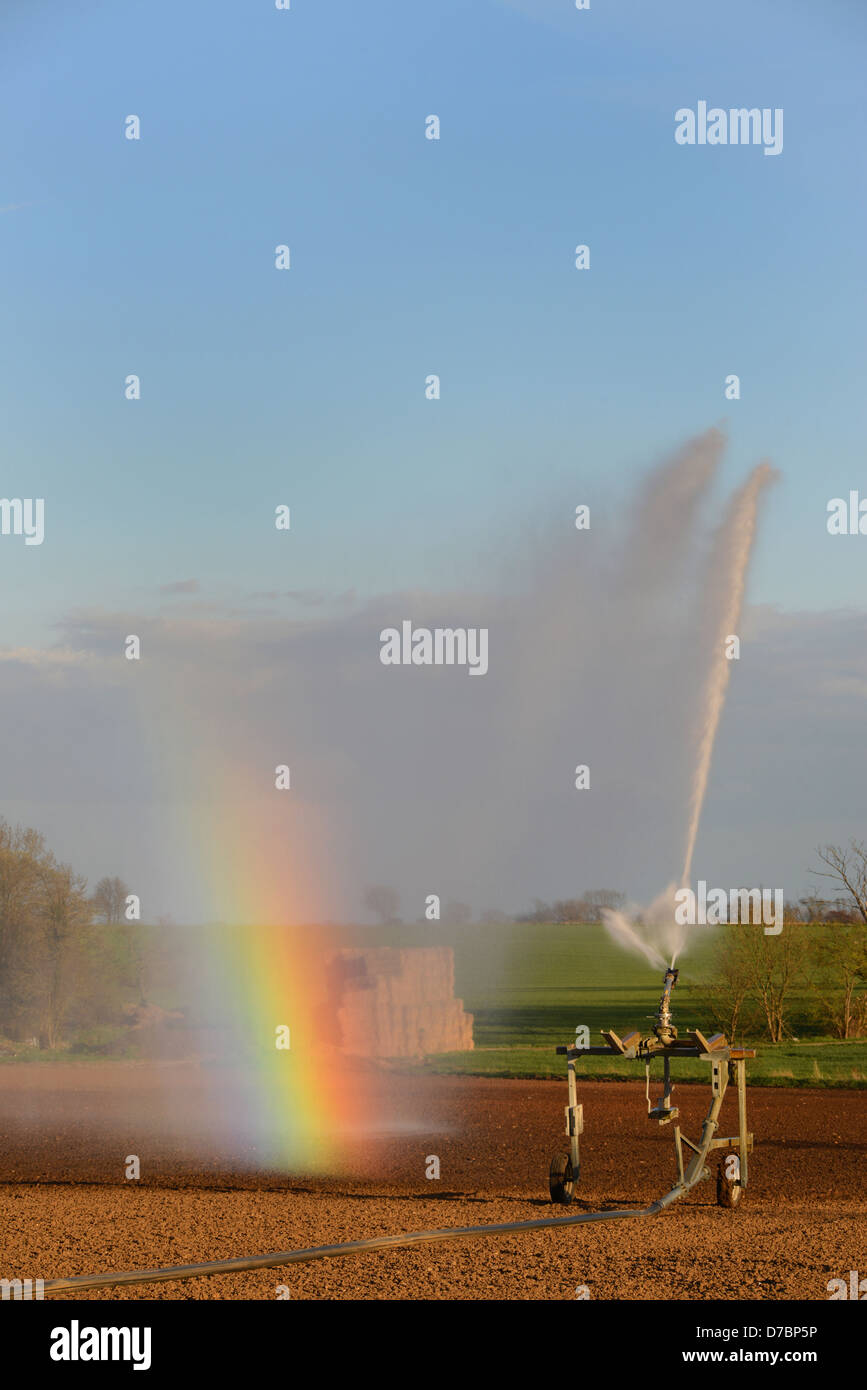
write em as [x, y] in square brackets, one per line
[665, 1029]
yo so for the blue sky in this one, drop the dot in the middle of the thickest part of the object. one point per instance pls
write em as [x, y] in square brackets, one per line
[410, 257]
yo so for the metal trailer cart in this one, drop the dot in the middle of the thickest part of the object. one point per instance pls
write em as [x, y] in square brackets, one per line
[728, 1067]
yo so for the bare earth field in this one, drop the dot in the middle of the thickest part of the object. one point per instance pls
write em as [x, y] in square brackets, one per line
[65, 1208]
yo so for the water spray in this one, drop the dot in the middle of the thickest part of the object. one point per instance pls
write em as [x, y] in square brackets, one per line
[657, 927]
[729, 564]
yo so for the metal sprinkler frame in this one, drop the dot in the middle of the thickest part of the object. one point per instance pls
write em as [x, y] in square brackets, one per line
[728, 1065]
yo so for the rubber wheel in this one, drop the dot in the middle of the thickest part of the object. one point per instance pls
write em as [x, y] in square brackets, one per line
[560, 1180]
[728, 1190]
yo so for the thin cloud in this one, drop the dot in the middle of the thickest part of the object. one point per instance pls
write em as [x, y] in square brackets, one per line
[181, 586]
[318, 598]
[40, 656]
[308, 598]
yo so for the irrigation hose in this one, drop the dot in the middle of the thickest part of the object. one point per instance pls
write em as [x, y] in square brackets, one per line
[353, 1247]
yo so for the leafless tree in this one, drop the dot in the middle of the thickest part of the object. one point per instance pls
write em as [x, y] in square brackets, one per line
[839, 951]
[539, 912]
[383, 902]
[599, 898]
[776, 966]
[109, 900]
[849, 868]
[570, 910]
[726, 992]
[839, 981]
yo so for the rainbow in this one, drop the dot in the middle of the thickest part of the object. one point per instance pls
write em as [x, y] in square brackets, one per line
[261, 973]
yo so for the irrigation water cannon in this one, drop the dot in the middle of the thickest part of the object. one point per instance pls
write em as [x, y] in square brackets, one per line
[728, 1066]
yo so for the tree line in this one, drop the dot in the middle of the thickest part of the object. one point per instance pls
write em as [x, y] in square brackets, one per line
[69, 961]
[753, 983]
[65, 962]
[383, 902]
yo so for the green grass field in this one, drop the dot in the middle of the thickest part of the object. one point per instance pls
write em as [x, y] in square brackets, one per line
[530, 986]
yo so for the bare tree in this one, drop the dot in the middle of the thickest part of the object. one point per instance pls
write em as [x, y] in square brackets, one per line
[849, 868]
[584, 909]
[775, 965]
[540, 912]
[600, 898]
[109, 900]
[813, 908]
[383, 902]
[839, 953]
[457, 914]
[570, 910]
[726, 993]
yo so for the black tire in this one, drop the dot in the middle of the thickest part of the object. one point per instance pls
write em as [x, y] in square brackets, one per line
[729, 1192]
[561, 1182]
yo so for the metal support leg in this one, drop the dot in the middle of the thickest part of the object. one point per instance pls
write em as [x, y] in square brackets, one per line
[678, 1149]
[741, 1071]
[696, 1170]
[574, 1120]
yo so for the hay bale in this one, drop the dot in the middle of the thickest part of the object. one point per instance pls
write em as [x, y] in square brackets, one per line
[398, 1002]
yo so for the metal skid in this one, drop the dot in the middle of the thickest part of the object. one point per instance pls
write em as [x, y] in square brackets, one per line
[728, 1067]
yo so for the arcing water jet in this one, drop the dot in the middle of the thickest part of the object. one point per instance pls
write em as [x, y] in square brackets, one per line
[728, 569]
[655, 929]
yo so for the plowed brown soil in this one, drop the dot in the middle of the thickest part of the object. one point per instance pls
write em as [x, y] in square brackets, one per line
[65, 1207]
